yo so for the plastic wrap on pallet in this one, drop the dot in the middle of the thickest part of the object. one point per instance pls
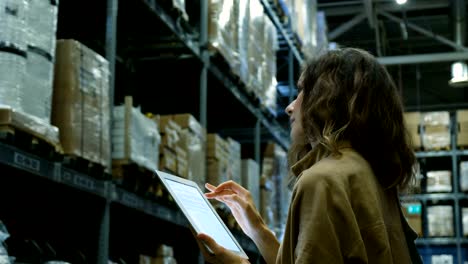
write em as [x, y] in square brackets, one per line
[241, 68]
[12, 73]
[234, 160]
[440, 221]
[256, 45]
[13, 22]
[439, 181]
[436, 137]
[139, 133]
[80, 105]
[222, 28]
[29, 124]
[36, 92]
[180, 5]
[441, 118]
[41, 23]
[269, 70]
[4, 234]
[322, 32]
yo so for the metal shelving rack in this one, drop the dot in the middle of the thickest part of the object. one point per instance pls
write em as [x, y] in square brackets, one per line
[454, 197]
[107, 191]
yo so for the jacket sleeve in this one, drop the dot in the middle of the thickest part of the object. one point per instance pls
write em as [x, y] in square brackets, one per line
[323, 224]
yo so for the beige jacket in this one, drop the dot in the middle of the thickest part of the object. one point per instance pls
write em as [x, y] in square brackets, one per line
[339, 213]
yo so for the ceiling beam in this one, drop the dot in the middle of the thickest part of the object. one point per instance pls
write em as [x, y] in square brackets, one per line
[346, 26]
[423, 58]
[424, 31]
[354, 7]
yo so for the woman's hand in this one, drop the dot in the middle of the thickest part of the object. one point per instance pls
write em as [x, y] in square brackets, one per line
[219, 254]
[240, 201]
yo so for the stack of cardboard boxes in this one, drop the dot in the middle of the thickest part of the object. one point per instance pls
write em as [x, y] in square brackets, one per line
[436, 126]
[462, 128]
[217, 155]
[80, 107]
[464, 176]
[191, 151]
[170, 137]
[413, 121]
[234, 161]
[183, 146]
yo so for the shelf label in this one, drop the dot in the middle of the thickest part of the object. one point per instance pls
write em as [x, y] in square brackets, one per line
[26, 162]
[132, 201]
[78, 180]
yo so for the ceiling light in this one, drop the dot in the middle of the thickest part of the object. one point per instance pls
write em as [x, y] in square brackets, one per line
[401, 2]
[459, 75]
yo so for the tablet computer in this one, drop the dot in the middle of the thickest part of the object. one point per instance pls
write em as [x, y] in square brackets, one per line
[199, 212]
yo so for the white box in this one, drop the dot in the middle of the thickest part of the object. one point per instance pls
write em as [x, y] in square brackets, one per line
[439, 181]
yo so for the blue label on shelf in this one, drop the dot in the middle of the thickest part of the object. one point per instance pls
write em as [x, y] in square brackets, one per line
[26, 162]
[132, 201]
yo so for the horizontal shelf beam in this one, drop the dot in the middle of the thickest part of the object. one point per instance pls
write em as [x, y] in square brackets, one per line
[274, 18]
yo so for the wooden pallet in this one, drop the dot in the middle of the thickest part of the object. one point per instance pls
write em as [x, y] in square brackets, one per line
[446, 148]
[139, 180]
[87, 167]
[29, 133]
[30, 142]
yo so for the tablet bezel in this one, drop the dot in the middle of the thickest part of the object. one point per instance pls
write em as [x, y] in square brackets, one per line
[164, 175]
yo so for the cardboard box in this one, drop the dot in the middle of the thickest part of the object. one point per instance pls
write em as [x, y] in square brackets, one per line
[462, 116]
[412, 118]
[440, 221]
[182, 164]
[251, 179]
[439, 181]
[168, 161]
[80, 107]
[465, 221]
[217, 147]
[189, 122]
[234, 160]
[413, 214]
[217, 171]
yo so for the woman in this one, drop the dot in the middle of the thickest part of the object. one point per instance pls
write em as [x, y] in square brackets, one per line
[351, 156]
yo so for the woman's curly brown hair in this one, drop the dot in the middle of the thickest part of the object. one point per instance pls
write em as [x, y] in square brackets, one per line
[350, 97]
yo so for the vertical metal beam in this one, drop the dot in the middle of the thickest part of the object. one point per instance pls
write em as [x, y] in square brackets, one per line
[111, 44]
[424, 32]
[205, 60]
[378, 44]
[257, 142]
[291, 76]
[111, 47]
[346, 26]
[104, 230]
[455, 182]
[369, 8]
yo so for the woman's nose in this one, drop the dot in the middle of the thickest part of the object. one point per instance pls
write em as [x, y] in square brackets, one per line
[290, 108]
